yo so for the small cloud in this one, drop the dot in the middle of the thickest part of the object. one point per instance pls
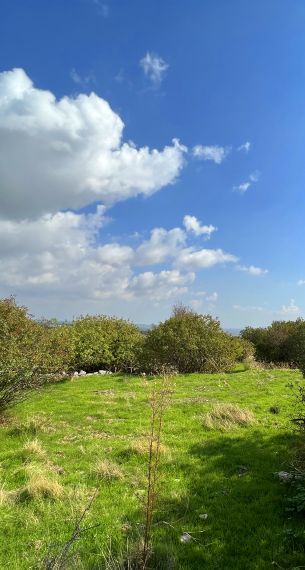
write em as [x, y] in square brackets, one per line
[291, 309]
[213, 297]
[254, 176]
[103, 9]
[248, 308]
[301, 282]
[244, 147]
[252, 269]
[82, 81]
[244, 186]
[192, 224]
[154, 68]
[212, 152]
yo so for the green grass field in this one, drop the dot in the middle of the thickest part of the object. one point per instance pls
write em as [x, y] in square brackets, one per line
[63, 435]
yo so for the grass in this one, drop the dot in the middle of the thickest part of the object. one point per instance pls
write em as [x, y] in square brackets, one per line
[227, 416]
[74, 437]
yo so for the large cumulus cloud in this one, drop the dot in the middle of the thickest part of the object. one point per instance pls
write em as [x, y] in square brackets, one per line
[67, 153]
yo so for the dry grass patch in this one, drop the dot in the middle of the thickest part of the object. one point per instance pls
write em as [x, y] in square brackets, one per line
[227, 416]
[39, 423]
[105, 469]
[33, 448]
[40, 485]
[141, 446]
[6, 497]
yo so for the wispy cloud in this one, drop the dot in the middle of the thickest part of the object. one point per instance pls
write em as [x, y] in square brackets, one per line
[154, 68]
[301, 282]
[244, 147]
[252, 269]
[248, 308]
[211, 152]
[82, 81]
[103, 8]
[291, 309]
[244, 186]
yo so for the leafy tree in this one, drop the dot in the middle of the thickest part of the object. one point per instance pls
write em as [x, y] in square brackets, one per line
[295, 345]
[106, 342]
[30, 354]
[273, 343]
[189, 342]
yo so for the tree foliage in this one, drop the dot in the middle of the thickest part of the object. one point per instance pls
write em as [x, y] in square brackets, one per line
[106, 342]
[282, 341]
[31, 353]
[189, 342]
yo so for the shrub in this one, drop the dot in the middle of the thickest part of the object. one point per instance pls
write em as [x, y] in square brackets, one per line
[281, 342]
[31, 354]
[106, 342]
[295, 345]
[189, 342]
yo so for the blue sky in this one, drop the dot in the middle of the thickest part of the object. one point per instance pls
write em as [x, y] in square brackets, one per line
[213, 74]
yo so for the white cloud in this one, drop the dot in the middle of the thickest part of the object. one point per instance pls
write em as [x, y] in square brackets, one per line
[60, 256]
[301, 282]
[81, 81]
[201, 303]
[193, 225]
[70, 152]
[244, 186]
[162, 285]
[248, 308]
[252, 269]
[291, 309]
[244, 147]
[161, 246]
[189, 258]
[154, 68]
[214, 152]
[212, 297]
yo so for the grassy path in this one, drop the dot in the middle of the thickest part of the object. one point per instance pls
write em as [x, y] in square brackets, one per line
[90, 433]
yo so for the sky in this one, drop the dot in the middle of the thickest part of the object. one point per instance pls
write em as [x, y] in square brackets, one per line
[152, 153]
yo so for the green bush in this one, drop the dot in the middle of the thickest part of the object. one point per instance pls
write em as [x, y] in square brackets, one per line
[106, 343]
[295, 345]
[281, 342]
[189, 342]
[31, 353]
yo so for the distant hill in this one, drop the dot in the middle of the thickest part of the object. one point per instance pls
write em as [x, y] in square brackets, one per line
[234, 332]
[143, 327]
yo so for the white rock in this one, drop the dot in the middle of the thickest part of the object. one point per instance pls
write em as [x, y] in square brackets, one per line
[82, 373]
[185, 537]
[283, 475]
[75, 373]
[203, 516]
[102, 372]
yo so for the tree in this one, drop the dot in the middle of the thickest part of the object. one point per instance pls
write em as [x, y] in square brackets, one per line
[106, 342]
[274, 343]
[189, 342]
[30, 354]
